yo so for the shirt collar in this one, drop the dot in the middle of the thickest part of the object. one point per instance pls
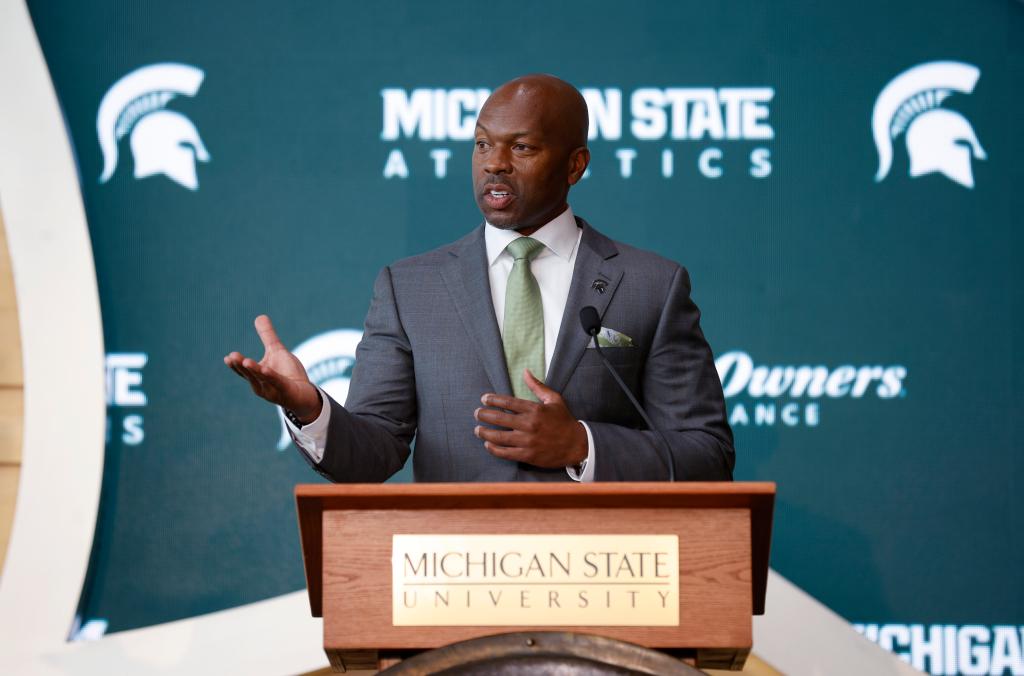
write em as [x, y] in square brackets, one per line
[560, 235]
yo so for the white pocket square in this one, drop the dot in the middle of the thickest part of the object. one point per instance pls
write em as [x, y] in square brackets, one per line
[611, 338]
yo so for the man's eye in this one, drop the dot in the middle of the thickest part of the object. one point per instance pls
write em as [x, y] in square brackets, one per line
[481, 145]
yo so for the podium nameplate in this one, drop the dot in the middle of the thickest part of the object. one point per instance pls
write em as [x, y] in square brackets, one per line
[535, 580]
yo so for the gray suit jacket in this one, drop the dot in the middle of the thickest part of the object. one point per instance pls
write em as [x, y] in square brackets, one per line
[431, 348]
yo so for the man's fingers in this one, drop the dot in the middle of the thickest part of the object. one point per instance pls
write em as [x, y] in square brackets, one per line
[238, 370]
[234, 362]
[261, 384]
[493, 416]
[258, 386]
[264, 373]
[251, 374]
[265, 328]
[234, 359]
[499, 437]
[506, 452]
[508, 403]
[544, 394]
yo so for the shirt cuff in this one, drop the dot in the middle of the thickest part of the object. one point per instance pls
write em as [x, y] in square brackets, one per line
[312, 438]
[587, 475]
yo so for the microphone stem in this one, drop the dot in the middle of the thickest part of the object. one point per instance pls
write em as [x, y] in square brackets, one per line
[640, 409]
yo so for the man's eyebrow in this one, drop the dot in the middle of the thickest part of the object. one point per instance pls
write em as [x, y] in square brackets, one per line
[515, 134]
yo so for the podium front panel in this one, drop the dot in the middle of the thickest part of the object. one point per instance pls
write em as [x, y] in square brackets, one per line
[714, 571]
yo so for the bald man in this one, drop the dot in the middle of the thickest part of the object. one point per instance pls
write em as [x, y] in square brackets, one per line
[475, 350]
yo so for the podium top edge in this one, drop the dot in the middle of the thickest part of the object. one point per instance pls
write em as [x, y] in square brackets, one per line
[751, 489]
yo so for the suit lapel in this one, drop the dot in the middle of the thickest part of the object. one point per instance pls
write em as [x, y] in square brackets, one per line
[467, 279]
[595, 262]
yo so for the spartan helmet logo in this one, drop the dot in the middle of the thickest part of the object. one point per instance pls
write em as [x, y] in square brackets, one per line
[328, 358]
[162, 141]
[937, 139]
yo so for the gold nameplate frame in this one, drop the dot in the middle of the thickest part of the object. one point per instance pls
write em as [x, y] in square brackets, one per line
[535, 580]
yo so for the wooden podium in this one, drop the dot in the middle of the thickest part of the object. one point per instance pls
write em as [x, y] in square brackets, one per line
[348, 539]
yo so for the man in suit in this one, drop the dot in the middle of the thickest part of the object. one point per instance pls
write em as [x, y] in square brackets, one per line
[475, 350]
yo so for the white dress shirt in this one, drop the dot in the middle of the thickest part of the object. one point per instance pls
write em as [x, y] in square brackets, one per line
[552, 268]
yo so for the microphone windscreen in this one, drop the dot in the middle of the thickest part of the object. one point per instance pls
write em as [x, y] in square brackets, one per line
[590, 320]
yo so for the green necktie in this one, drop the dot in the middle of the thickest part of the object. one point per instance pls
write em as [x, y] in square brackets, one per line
[524, 318]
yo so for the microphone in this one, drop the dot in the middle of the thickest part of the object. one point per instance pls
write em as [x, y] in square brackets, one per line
[591, 321]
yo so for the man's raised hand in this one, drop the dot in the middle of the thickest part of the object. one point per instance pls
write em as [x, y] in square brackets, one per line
[279, 377]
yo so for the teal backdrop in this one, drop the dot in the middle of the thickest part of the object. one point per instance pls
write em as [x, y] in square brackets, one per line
[329, 139]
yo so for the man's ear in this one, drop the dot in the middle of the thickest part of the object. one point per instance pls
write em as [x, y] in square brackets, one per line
[578, 162]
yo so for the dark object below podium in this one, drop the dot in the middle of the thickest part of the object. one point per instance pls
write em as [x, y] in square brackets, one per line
[558, 652]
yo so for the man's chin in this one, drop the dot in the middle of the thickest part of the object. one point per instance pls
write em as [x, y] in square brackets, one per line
[500, 220]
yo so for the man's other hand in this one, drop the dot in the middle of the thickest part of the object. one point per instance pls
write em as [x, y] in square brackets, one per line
[279, 377]
[544, 433]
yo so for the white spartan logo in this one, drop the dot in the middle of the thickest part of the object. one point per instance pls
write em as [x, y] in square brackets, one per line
[162, 141]
[938, 139]
[328, 359]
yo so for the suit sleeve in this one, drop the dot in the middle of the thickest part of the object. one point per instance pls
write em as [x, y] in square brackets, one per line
[683, 397]
[368, 439]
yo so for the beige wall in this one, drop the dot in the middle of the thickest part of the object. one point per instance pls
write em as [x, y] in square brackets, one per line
[10, 396]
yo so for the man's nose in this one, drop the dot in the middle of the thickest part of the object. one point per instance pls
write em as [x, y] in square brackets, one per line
[498, 161]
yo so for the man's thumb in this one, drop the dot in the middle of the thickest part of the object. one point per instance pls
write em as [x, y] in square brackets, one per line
[544, 394]
[266, 331]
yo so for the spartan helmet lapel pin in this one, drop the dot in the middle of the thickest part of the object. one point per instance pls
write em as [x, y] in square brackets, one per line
[599, 285]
